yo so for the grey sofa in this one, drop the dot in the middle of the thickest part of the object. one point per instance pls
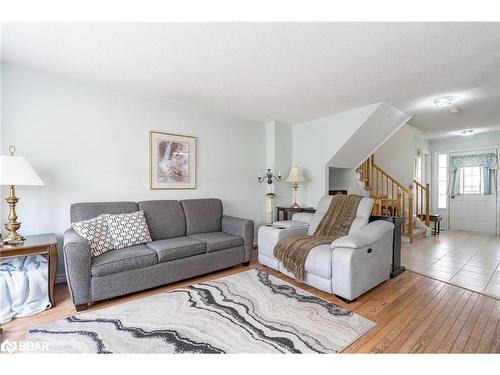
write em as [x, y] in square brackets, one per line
[189, 238]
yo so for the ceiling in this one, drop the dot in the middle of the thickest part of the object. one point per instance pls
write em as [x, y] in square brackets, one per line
[288, 72]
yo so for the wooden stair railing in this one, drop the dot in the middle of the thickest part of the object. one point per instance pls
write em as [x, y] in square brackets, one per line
[422, 202]
[391, 198]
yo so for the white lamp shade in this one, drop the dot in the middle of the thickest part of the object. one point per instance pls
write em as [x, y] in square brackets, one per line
[15, 170]
[295, 175]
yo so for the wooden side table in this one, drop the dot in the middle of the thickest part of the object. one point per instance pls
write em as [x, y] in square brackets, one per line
[33, 245]
[436, 219]
[287, 210]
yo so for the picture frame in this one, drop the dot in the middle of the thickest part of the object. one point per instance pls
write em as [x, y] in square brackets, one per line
[172, 161]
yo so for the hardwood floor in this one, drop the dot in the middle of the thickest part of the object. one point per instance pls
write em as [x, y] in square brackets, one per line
[414, 314]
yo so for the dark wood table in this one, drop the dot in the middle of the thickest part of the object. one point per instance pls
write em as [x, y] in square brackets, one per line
[436, 219]
[287, 210]
[33, 245]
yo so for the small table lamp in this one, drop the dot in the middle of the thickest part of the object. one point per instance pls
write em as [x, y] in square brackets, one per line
[295, 176]
[15, 170]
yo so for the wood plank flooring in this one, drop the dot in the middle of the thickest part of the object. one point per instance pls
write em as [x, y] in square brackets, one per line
[414, 314]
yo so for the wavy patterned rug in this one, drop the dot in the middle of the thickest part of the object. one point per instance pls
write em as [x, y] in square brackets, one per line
[249, 312]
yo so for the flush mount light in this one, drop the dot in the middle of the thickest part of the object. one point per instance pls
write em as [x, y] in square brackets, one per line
[454, 110]
[467, 132]
[445, 101]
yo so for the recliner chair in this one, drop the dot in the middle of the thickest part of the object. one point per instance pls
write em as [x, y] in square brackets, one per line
[350, 265]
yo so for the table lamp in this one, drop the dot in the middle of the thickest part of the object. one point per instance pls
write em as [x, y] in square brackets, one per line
[15, 170]
[295, 176]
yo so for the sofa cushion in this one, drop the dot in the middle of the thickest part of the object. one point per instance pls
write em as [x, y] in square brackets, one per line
[319, 261]
[165, 218]
[176, 248]
[97, 234]
[125, 259]
[362, 214]
[218, 240]
[128, 229]
[89, 210]
[202, 215]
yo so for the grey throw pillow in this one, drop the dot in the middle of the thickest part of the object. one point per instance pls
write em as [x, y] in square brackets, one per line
[128, 229]
[97, 234]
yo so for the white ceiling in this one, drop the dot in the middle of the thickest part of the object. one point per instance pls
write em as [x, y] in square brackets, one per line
[289, 72]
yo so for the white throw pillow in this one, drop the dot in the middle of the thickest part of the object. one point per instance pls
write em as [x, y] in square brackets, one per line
[96, 232]
[128, 229]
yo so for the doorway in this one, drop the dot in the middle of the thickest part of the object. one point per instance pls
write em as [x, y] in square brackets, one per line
[473, 191]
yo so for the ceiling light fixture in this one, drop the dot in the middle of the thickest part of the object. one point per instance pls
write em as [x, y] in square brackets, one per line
[445, 101]
[467, 132]
[454, 110]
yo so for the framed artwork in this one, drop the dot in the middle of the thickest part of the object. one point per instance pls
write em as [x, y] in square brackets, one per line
[172, 161]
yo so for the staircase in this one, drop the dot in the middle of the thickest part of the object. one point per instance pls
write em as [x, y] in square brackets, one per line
[391, 198]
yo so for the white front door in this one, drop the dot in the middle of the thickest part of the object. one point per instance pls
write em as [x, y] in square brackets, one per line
[471, 210]
[474, 212]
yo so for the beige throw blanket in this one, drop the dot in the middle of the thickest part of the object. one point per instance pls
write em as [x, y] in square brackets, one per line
[293, 251]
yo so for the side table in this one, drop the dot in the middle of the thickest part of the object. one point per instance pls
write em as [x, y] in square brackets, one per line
[33, 245]
[287, 210]
[436, 219]
[397, 268]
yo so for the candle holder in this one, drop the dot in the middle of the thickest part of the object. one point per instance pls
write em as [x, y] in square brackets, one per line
[269, 177]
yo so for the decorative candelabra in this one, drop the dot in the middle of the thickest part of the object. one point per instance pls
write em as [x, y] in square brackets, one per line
[269, 176]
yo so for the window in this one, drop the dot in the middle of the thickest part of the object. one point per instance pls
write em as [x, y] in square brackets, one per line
[442, 180]
[470, 178]
[418, 169]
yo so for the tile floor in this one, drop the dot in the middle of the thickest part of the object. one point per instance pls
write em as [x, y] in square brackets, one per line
[466, 259]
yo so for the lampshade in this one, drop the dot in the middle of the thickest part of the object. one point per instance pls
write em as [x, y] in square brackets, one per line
[15, 170]
[295, 175]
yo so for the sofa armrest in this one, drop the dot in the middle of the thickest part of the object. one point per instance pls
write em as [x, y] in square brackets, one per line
[366, 236]
[303, 217]
[269, 236]
[362, 260]
[77, 260]
[242, 228]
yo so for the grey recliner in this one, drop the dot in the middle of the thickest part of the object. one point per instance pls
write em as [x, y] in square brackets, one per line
[189, 238]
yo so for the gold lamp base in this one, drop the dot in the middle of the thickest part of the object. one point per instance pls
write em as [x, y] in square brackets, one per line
[12, 225]
[295, 187]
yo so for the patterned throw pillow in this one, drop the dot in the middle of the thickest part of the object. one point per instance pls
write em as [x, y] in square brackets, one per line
[96, 232]
[128, 229]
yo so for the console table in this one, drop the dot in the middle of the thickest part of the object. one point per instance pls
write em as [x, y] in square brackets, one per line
[33, 245]
[287, 210]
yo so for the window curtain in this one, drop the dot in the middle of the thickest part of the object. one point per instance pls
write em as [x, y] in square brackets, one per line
[488, 164]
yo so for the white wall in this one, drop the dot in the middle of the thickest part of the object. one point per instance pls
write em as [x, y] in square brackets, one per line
[279, 159]
[382, 123]
[91, 144]
[458, 143]
[397, 155]
[315, 142]
[345, 179]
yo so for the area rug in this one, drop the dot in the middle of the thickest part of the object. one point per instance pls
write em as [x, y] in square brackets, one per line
[248, 312]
